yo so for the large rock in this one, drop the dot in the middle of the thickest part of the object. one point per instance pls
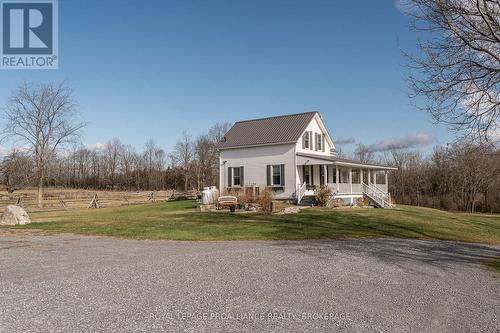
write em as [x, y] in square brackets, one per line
[14, 215]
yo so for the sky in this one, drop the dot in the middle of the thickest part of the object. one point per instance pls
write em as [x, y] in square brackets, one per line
[150, 69]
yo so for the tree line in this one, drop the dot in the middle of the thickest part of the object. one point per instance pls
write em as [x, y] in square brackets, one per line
[462, 176]
[192, 164]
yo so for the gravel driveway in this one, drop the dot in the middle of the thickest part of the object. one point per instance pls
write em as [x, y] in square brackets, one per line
[68, 283]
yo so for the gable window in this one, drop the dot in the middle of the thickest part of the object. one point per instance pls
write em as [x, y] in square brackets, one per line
[319, 141]
[306, 140]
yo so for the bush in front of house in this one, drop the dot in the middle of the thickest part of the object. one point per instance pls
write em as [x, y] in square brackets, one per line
[323, 195]
[265, 200]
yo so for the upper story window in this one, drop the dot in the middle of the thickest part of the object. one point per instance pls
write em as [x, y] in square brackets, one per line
[306, 140]
[319, 141]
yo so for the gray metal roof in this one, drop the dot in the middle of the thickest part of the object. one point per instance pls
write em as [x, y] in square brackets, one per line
[272, 130]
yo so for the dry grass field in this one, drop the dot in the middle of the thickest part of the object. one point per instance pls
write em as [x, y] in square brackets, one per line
[70, 199]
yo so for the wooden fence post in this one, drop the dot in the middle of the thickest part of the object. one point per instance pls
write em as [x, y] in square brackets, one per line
[94, 203]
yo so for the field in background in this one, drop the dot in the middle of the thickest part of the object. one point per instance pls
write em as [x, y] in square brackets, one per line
[180, 220]
[71, 199]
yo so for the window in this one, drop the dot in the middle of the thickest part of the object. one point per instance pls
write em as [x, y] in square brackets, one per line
[236, 177]
[306, 140]
[306, 175]
[276, 175]
[320, 142]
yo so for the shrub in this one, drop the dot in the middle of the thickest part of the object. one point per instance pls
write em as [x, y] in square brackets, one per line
[250, 194]
[266, 199]
[338, 202]
[242, 198]
[323, 195]
[362, 202]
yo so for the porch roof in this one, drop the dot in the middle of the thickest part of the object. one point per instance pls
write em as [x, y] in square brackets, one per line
[312, 159]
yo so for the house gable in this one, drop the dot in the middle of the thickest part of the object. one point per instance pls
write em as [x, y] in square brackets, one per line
[315, 139]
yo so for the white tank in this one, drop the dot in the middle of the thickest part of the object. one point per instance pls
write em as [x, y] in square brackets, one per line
[205, 196]
[215, 193]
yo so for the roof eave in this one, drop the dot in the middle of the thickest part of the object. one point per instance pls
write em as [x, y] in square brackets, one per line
[337, 161]
[258, 145]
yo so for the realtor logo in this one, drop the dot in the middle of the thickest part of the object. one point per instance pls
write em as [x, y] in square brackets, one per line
[29, 37]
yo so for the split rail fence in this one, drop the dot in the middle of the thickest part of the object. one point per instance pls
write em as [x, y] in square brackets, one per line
[55, 199]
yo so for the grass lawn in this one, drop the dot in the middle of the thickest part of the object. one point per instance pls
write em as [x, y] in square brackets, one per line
[180, 221]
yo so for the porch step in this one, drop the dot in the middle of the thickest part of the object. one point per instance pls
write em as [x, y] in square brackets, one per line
[376, 196]
[308, 200]
[373, 202]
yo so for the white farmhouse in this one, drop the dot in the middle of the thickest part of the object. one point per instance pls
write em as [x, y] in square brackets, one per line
[294, 155]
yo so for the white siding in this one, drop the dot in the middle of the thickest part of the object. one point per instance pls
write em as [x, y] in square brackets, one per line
[255, 159]
[315, 128]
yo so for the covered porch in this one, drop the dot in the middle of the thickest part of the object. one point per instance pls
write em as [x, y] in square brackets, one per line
[346, 178]
[341, 179]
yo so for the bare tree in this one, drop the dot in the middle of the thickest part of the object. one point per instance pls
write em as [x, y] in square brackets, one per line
[363, 154]
[217, 131]
[458, 79]
[16, 170]
[112, 153]
[42, 116]
[183, 156]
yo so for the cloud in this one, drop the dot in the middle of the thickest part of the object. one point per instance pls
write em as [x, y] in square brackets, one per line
[4, 151]
[494, 134]
[345, 141]
[409, 141]
[96, 146]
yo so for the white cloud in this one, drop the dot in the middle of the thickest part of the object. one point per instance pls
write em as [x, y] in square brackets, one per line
[344, 141]
[96, 146]
[409, 141]
[4, 151]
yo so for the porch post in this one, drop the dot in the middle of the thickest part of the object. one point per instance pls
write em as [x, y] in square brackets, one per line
[369, 173]
[337, 176]
[361, 181]
[350, 179]
[325, 174]
[386, 182]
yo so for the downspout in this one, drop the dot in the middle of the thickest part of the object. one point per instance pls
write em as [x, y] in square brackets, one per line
[295, 171]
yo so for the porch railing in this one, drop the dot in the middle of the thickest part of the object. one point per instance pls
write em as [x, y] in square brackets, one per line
[345, 188]
[380, 197]
[301, 191]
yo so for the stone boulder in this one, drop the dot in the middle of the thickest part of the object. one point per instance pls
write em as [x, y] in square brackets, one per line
[14, 215]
